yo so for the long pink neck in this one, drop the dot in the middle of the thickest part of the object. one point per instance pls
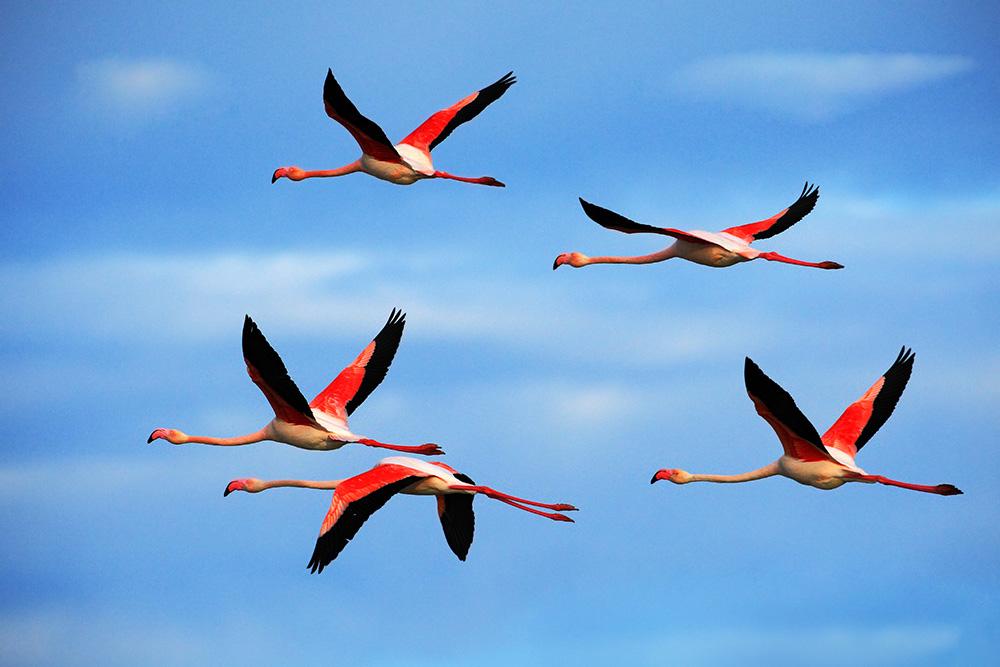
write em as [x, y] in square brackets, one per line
[769, 470]
[301, 484]
[259, 436]
[666, 253]
[327, 173]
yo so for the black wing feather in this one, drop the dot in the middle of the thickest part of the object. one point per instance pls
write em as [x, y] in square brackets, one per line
[615, 221]
[486, 96]
[458, 519]
[781, 404]
[335, 96]
[258, 352]
[895, 382]
[800, 209]
[386, 343]
[330, 544]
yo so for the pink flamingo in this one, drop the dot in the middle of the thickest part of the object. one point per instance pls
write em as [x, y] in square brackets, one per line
[717, 249]
[827, 462]
[357, 498]
[322, 423]
[410, 160]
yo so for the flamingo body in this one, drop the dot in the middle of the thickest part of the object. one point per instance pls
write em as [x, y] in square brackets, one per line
[715, 249]
[410, 160]
[357, 498]
[826, 462]
[322, 423]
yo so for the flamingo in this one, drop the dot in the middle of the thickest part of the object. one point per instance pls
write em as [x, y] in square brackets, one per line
[717, 249]
[357, 498]
[410, 160]
[827, 462]
[322, 423]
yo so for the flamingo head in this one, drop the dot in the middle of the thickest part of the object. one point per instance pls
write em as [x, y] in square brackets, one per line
[169, 434]
[674, 475]
[293, 173]
[250, 485]
[830, 265]
[574, 259]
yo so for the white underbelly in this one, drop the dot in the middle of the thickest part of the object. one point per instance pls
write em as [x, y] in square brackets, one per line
[818, 474]
[303, 437]
[708, 254]
[399, 173]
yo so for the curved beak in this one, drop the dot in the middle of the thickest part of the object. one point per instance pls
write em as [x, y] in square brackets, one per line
[234, 485]
[656, 478]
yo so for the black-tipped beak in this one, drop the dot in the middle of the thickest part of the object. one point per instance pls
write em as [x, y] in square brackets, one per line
[274, 178]
[150, 438]
[555, 264]
[227, 491]
[655, 479]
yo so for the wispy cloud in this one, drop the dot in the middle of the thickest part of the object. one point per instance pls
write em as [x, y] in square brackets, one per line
[203, 297]
[139, 88]
[813, 86]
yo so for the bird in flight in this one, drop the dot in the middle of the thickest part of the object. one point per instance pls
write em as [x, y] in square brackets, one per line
[410, 160]
[357, 498]
[823, 462]
[716, 249]
[322, 423]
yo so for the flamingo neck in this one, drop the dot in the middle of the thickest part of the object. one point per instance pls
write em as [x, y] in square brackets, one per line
[225, 442]
[328, 173]
[666, 253]
[301, 484]
[769, 470]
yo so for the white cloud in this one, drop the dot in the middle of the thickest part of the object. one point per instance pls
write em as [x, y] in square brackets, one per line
[199, 297]
[813, 86]
[129, 88]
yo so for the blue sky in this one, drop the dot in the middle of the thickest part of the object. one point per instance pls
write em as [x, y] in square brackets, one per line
[139, 225]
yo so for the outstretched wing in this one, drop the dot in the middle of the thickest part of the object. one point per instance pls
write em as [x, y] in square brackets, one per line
[765, 229]
[865, 416]
[457, 518]
[369, 135]
[797, 434]
[353, 385]
[436, 129]
[268, 372]
[611, 220]
[355, 500]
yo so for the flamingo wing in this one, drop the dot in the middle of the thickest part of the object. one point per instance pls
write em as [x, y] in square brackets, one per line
[765, 229]
[353, 385]
[269, 373]
[436, 129]
[611, 220]
[366, 132]
[863, 418]
[797, 434]
[457, 518]
[355, 500]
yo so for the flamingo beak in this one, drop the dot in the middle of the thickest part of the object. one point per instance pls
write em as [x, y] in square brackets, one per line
[278, 173]
[235, 485]
[560, 260]
[661, 474]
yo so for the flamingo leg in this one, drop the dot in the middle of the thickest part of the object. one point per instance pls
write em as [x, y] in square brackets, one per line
[775, 257]
[548, 515]
[483, 180]
[497, 495]
[428, 449]
[940, 489]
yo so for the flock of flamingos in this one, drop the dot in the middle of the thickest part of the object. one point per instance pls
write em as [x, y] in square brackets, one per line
[823, 462]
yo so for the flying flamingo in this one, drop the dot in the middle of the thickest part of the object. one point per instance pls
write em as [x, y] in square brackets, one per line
[357, 498]
[321, 424]
[410, 160]
[718, 249]
[826, 462]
